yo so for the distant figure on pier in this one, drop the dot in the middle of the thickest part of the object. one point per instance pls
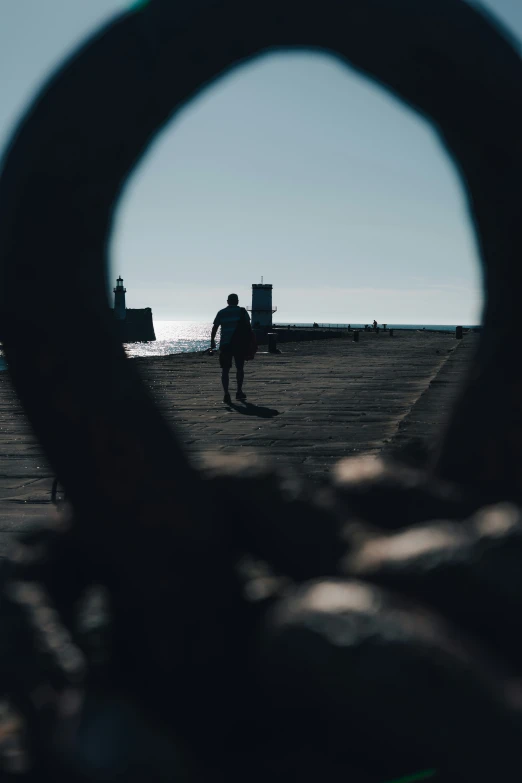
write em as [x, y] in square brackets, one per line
[235, 336]
[374, 325]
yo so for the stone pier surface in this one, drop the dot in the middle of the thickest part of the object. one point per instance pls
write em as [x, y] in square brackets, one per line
[307, 407]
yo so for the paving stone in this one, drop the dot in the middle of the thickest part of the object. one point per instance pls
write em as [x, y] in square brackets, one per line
[307, 407]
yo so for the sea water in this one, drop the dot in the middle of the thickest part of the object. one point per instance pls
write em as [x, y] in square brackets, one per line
[174, 337]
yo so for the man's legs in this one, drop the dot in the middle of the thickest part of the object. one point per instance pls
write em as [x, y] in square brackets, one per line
[225, 360]
[240, 376]
[225, 378]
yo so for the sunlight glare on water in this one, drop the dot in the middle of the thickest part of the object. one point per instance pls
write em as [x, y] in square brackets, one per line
[174, 337]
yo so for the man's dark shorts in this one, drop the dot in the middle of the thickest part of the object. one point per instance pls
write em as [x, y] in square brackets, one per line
[225, 359]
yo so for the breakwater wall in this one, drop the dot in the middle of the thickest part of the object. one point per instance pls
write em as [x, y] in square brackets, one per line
[300, 335]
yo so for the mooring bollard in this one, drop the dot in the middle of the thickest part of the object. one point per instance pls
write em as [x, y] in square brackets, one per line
[391, 332]
[458, 332]
[356, 337]
[272, 342]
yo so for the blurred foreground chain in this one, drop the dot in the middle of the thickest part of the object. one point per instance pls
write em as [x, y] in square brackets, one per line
[366, 633]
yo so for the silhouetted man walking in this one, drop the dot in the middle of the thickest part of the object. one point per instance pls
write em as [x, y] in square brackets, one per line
[232, 344]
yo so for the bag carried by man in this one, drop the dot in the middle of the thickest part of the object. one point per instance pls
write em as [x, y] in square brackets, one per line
[244, 338]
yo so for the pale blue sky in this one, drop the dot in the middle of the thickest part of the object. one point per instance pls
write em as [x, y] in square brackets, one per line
[293, 168]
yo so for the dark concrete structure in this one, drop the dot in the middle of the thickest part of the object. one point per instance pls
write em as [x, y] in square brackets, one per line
[262, 308]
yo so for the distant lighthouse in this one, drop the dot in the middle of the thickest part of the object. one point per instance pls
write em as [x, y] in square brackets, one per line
[119, 300]
[132, 325]
[262, 308]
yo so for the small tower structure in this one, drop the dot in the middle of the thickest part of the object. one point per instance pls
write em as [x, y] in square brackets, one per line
[262, 308]
[119, 300]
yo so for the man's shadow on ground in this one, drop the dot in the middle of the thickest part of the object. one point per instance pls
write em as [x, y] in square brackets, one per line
[247, 409]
